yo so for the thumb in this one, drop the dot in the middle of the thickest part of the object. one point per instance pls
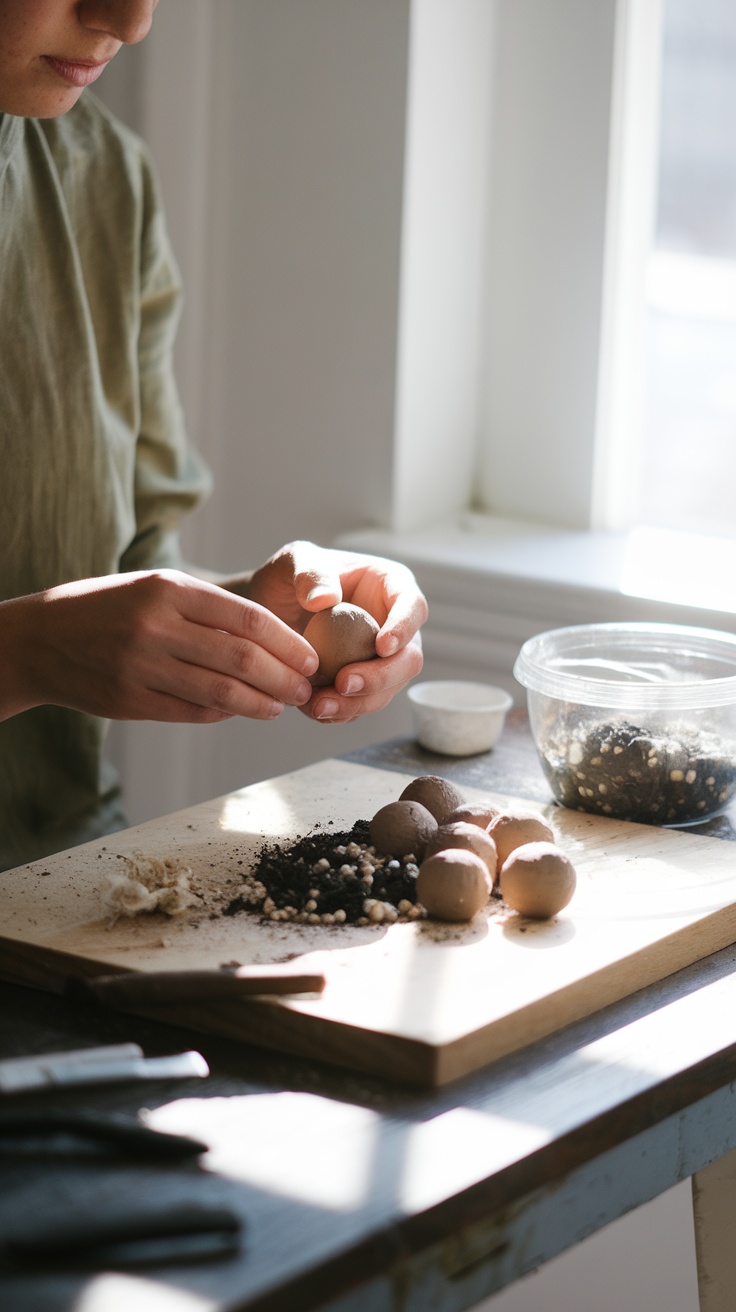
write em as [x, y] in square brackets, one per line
[316, 590]
[317, 583]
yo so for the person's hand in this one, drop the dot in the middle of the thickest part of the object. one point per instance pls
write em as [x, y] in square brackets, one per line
[303, 578]
[154, 645]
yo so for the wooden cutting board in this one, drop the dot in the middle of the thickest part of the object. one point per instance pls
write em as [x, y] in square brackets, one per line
[421, 1002]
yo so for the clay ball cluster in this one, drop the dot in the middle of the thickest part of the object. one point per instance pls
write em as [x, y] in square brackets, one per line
[469, 850]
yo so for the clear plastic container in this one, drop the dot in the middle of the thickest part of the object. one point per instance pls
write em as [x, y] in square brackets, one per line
[635, 721]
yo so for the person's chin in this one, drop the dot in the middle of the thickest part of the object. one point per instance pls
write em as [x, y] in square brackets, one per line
[42, 102]
[62, 102]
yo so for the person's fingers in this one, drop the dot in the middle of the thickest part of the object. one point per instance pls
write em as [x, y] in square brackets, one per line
[215, 609]
[403, 609]
[162, 645]
[386, 674]
[342, 710]
[231, 656]
[215, 694]
[316, 576]
[390, 592]
[367, 687]
[151, 704]
[244, 661]
[405, 618]
[162, 706]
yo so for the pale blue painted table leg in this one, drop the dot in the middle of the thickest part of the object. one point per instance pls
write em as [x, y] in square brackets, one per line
[714, 1212]
[490, 1254]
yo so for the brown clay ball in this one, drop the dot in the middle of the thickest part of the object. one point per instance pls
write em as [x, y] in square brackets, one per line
[439, 796]
[402, 827]
[537, 880]
[474, 813]
[453, 885]
[511, 830]
[340, 636]
[469, 837]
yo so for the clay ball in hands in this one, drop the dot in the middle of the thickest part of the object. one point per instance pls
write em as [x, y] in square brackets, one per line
[341, 635]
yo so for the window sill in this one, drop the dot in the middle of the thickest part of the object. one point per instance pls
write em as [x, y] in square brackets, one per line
[491, 583]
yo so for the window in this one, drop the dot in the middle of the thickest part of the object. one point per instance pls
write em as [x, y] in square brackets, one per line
[611, 387]
[687, 472]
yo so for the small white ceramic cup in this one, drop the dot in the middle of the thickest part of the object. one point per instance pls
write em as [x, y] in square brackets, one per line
[456, 717]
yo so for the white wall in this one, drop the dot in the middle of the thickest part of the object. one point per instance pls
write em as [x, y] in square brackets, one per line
[547, 243]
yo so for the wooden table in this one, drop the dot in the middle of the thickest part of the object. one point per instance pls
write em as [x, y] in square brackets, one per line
[358, 1195]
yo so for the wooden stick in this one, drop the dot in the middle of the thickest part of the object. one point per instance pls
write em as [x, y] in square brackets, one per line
[163, 987]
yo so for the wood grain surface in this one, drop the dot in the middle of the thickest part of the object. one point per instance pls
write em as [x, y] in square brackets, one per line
[422, 1002]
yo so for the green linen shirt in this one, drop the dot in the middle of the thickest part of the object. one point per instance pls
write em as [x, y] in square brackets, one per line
[95, 467]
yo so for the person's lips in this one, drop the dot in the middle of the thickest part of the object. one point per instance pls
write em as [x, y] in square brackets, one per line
[75, 74]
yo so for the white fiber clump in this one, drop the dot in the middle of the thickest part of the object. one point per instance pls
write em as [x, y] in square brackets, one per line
[149, 885]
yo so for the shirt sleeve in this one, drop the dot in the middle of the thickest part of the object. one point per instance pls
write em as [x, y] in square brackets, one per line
[171, 478]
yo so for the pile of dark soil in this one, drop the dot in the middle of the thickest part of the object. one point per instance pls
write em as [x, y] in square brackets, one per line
[326, 878]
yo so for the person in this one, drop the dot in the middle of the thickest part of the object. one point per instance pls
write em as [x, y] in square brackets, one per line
[101, 618]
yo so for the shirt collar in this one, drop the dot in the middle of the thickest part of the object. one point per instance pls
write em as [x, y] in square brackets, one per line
[11, 131]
